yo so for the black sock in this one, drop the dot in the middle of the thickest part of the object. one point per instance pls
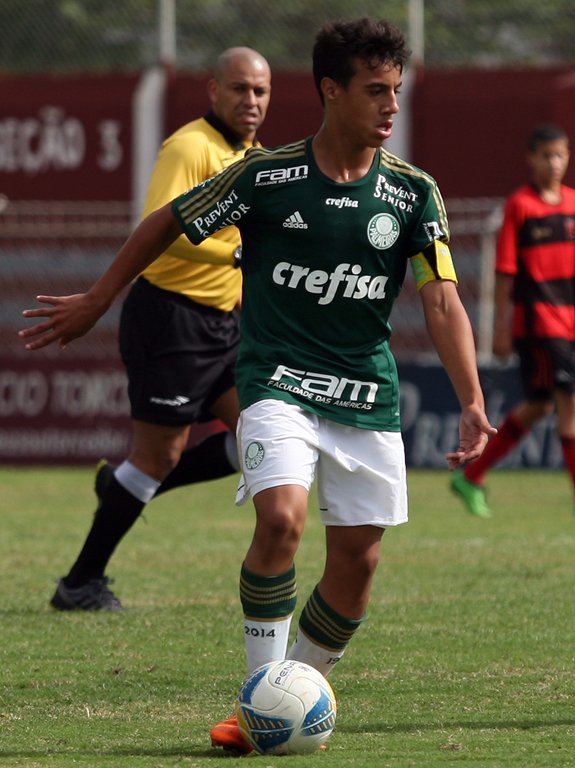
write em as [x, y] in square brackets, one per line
[114, 517]
[206, 461]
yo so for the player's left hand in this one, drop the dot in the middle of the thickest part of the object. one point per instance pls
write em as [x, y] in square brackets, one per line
[474, 431]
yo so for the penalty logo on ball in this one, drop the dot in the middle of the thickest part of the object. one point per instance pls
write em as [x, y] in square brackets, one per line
[286, 707]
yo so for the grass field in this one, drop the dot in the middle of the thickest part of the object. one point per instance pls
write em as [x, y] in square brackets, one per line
[467, 658]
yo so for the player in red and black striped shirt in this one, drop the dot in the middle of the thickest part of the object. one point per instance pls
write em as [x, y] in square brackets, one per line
[534, 309]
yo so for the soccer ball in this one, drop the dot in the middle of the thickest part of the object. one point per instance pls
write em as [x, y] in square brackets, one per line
[286, 708]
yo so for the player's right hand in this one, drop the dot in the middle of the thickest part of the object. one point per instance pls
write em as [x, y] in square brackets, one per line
[68, 317]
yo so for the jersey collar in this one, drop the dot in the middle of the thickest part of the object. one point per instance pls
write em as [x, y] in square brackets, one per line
[232, 138]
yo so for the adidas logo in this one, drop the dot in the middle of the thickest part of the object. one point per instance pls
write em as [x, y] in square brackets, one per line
[295, 221]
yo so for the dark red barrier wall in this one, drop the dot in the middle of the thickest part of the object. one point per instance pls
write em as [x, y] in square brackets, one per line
[294, 112]
[470, 127]
[71, 137]
[67, 137]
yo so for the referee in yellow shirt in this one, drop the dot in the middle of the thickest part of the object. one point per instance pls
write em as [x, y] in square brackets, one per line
[179, 334]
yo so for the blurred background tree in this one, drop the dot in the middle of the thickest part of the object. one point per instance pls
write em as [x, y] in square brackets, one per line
[122, 35]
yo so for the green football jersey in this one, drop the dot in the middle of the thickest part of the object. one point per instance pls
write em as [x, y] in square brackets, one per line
[322, 265]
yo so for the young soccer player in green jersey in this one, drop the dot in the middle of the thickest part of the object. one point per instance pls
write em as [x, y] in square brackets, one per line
[329, 225]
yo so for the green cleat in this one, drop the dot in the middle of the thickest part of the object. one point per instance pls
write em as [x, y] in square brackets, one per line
[472, 495]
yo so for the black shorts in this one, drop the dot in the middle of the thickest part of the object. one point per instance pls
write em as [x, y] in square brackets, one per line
[179, 355]
[545, 365]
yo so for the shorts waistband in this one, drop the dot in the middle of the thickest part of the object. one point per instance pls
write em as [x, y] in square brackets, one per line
[179, 298]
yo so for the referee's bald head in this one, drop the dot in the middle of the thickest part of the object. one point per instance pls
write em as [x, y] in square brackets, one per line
[238, 56]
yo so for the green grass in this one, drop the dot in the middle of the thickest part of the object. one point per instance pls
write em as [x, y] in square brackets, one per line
[467, 657]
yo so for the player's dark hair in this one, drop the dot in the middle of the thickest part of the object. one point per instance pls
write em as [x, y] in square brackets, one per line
[544, 133]
[338, 44]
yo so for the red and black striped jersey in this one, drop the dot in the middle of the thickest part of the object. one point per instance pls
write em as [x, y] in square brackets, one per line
[536, 244]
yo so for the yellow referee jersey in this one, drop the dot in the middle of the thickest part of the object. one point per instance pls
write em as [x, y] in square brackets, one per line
[190, 155]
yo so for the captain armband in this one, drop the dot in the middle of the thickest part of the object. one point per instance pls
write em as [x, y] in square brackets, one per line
[433, 263]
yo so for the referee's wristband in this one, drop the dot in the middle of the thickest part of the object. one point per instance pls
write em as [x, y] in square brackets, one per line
[237, 257]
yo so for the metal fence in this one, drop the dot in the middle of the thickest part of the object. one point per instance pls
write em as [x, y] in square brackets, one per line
[49, 401]
[62, 247]
[128, 35]
[474, 223]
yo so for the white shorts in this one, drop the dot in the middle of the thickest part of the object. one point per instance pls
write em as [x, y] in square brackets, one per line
[361, 474]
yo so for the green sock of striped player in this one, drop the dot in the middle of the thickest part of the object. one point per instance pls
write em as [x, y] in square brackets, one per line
[268, 603]
[322, 635]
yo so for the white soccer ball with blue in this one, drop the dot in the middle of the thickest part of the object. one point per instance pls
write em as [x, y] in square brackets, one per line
[286, 708]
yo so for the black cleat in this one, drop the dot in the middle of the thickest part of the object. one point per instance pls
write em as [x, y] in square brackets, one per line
[93, 596]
